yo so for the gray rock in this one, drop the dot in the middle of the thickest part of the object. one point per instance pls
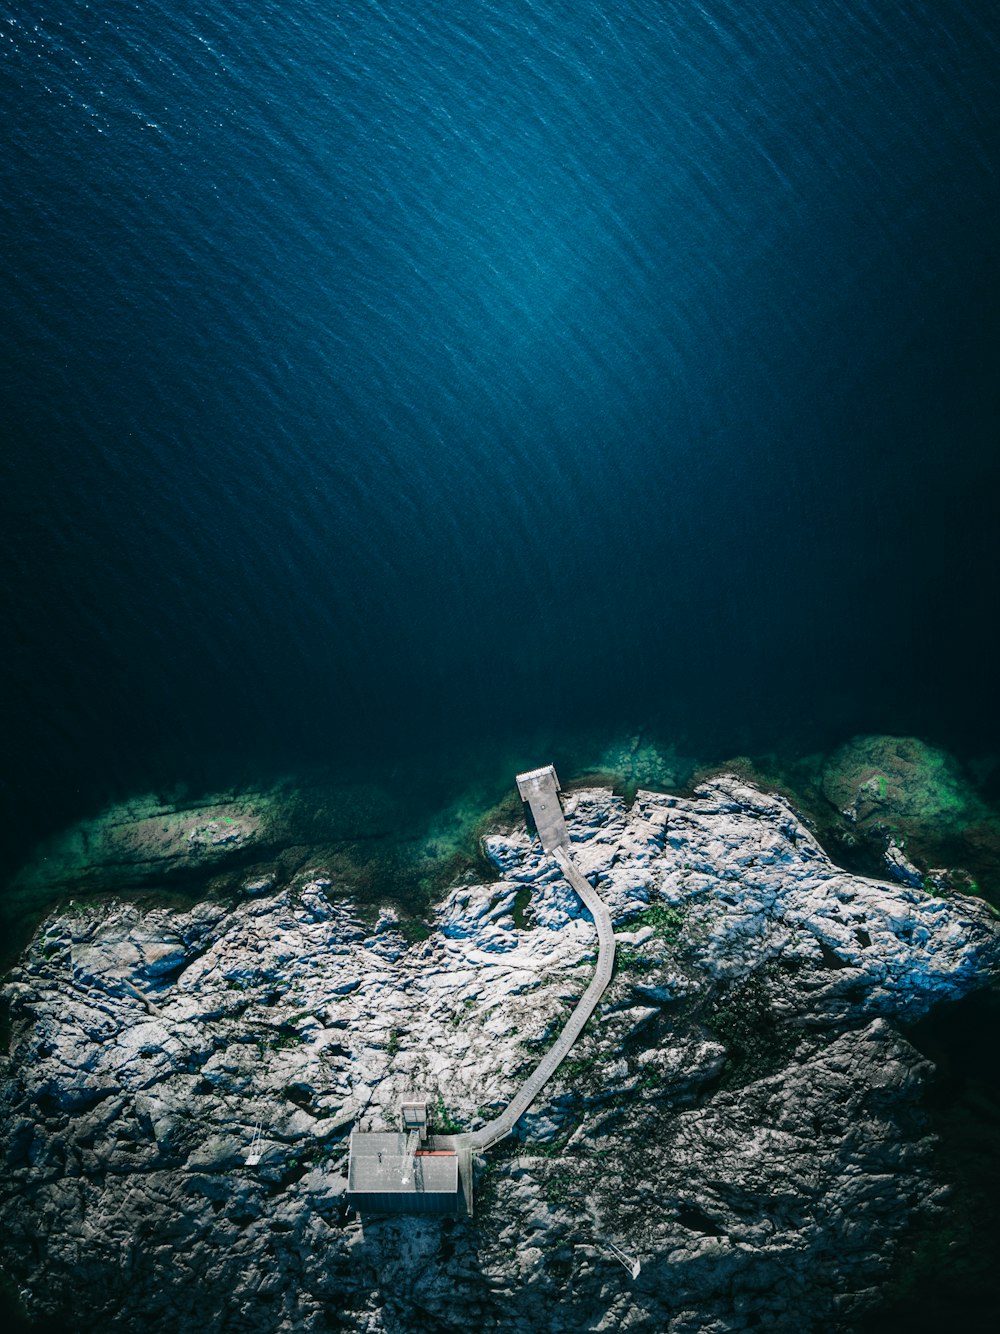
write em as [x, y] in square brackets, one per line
[899, 867]
[741, 1115]
[256, 885]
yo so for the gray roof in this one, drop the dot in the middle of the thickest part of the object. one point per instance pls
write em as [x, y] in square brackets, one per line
[377, 1166]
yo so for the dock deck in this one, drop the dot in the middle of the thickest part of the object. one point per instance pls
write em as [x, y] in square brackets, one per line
[540, 789]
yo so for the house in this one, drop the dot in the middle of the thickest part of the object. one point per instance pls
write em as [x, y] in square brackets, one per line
[407, 1171]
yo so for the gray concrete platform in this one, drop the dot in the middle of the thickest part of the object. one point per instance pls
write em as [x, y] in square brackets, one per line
[540, 789]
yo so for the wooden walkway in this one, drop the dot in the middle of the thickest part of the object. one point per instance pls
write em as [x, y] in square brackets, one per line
[540, 789]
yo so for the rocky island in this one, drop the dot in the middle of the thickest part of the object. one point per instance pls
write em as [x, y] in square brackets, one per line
[741, 1114]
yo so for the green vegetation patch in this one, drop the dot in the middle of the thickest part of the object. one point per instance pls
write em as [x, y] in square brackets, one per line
[444, 1122]
[631, 960]
[414, 930]
[577, 1068]
[756, 1043]
[666, 922]
[559, 1187]
[522, 901]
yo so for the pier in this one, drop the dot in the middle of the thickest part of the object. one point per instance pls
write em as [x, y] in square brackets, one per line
[410, 1172]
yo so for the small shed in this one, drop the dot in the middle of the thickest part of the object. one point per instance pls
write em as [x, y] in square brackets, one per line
[396, 1173]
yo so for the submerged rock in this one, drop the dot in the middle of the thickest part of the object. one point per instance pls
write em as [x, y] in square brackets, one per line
[900, 867]
[148, 839]
[639, 762]
[902, 784]
[741, 1115]
[912, 806]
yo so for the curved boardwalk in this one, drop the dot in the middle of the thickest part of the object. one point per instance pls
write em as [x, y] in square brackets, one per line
[503, 1124]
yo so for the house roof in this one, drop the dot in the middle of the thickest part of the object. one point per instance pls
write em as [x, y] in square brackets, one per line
[377, 1163]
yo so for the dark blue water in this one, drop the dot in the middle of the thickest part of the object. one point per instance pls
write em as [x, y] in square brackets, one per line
[380, 377]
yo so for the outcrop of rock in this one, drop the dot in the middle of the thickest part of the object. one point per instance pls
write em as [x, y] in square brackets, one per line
[225, 841]
[742, 1116]
[148, 839]
[361, 831]
[913, 803]
[902, 784]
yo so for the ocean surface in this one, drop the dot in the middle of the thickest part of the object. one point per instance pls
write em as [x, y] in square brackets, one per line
[384, 379]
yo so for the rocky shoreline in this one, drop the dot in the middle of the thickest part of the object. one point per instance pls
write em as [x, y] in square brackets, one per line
[743, 1114]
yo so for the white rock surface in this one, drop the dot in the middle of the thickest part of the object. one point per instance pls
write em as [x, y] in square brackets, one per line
[147, 1046]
